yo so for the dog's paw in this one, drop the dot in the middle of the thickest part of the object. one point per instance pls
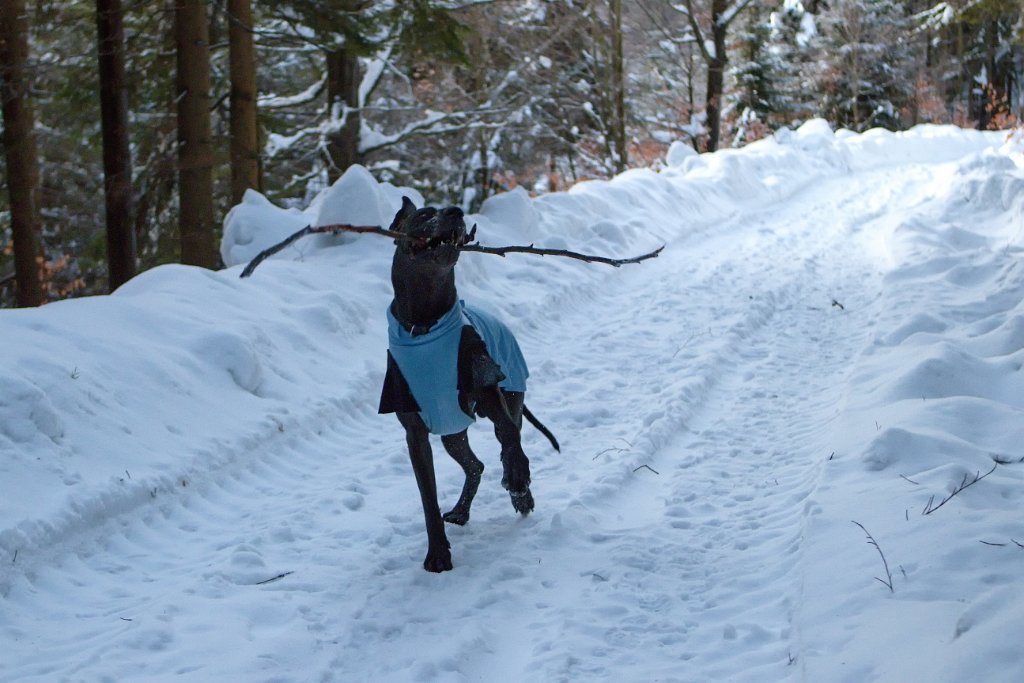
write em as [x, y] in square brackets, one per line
[522, 501]
[515, 473]
[439, 561]
[456, 516]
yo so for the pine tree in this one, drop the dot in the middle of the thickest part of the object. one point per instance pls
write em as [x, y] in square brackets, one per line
[793, 46]
[117, 159]
[246, 171]
[195, 137]
[867, 79]
[752, 71]
[20, 150]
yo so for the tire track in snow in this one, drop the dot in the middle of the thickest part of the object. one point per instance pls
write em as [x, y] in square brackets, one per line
[698, 560]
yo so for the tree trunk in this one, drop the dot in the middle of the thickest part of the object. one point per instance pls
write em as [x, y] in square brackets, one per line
[20, 148]
[117, 160]
[343, 100]
[245, 154]
[716, 74]
[619, 87]
[195, 144]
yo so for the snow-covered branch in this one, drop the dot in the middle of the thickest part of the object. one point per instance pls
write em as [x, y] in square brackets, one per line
[432, 123]
[732, 12]
[308, 95]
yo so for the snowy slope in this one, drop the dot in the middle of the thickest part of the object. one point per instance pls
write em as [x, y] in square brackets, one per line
[834, 334]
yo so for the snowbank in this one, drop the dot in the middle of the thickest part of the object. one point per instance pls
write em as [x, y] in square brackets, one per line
[115, 406]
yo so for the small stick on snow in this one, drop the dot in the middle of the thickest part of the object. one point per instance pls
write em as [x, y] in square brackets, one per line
[885, 564]
[1003, 545]
[648, 467]
[274, 578]
[964, 483]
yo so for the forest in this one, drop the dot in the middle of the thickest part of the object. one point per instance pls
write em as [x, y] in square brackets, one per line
[131, 127]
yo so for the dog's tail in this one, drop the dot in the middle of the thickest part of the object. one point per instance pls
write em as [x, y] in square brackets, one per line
[541, 428]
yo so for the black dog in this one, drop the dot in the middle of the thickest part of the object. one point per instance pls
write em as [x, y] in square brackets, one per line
[446, 363]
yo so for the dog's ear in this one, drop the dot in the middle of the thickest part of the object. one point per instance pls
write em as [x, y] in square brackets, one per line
[404, 213]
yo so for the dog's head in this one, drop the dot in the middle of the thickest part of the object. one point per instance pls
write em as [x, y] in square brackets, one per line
[430, 235]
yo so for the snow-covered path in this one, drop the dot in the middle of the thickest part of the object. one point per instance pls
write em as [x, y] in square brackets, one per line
[698, 399]
[671, 524]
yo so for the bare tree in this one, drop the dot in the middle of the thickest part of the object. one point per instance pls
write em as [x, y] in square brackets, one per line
[20, 148]
[117, 159]
[195, 143]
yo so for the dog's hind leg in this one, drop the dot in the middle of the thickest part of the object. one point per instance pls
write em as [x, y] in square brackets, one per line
[457, 446]
[439, 554]
[505, 410]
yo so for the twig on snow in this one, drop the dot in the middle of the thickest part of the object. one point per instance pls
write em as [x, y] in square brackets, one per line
[871, 541]
[615, 449]
[1003, 545]
[274, 578]
[964, 483]
[648, 467]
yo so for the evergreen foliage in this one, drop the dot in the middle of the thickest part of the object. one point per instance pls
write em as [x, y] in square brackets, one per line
[466, 98]
[863, 84]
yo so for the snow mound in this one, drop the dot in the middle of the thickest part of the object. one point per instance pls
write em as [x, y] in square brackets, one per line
[678, 153]
[26, 412]
[514, 209]
[356, 198]
[194, 466]
[255, 224]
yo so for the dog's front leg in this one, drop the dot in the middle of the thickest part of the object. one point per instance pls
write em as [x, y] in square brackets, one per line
[457, 446]
[439, 554]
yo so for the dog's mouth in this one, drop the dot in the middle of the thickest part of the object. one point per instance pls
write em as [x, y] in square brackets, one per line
[437, 235]
[423, 244]
[436, 249]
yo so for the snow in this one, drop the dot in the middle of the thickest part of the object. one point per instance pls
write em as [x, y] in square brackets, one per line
[196, 484]
[678, 153]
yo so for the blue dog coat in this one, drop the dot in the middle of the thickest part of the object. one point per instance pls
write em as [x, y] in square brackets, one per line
[429, 364]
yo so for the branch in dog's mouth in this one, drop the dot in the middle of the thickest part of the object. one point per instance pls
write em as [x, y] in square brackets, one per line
[422, 243]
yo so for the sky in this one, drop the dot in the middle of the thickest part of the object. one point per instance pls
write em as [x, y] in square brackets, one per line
[792, 444]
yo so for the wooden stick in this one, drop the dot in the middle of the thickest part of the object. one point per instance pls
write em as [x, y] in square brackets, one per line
[310, 230]
[589, 258]
[274, 578]
[499, 251]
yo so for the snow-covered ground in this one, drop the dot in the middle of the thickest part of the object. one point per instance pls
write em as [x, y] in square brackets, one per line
[195, 485]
